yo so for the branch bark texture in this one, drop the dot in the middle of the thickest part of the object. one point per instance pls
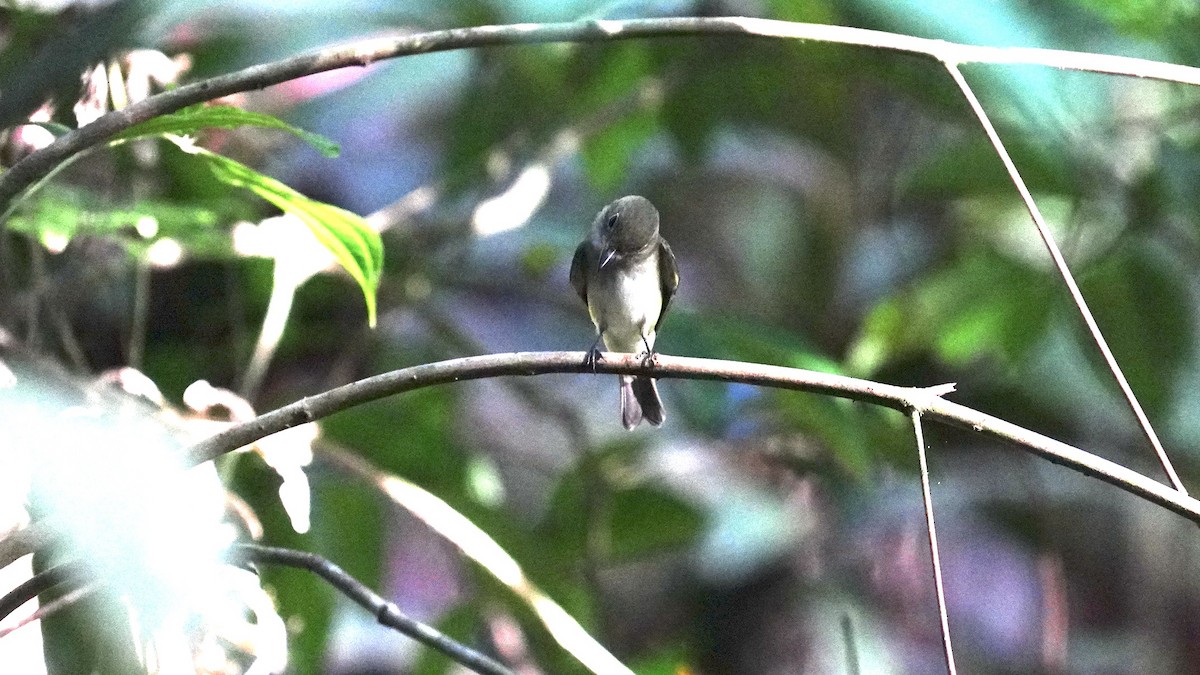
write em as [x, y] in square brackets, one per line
[387, 613]
[927, 401]
[364, 52]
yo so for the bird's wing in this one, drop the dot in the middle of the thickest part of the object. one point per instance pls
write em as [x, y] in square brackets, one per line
[579, 271]
[668, 278]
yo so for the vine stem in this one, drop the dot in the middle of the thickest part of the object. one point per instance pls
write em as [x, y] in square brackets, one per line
[1064, 272]
[934, 556]
[928, 400]
[40, 163]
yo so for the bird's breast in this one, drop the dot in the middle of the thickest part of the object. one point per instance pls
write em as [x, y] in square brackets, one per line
[625, 303]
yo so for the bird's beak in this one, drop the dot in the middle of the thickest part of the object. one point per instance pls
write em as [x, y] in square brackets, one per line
[607, 255]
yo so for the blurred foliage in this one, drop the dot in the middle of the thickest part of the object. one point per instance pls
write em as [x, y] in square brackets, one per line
[197, 118]
[44, 53]
[832, 208]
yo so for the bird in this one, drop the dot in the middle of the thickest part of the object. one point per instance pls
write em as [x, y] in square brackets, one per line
[626, 274]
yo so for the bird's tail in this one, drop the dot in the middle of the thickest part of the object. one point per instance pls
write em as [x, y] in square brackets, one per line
[640, 400]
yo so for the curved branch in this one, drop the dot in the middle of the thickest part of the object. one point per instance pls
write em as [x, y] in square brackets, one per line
[364, 52]
[935, 557]
[74, 573]
[1064, 272]
[927, 401]
[385, 612]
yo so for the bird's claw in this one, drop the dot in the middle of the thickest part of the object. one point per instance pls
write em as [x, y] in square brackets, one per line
[592, 358]
[649, 359]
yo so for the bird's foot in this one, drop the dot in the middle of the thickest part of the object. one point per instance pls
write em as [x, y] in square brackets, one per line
[592, 358]
[649, 357]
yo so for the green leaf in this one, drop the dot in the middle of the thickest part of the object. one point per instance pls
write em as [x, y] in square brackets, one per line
[608, 154]
[54, 128]
[637, 520]
[1142, 301]
[648, 519]
[194, 119]
[986, 305]
[356, 247]
[612, 87]
[970, 168]
[68, 212]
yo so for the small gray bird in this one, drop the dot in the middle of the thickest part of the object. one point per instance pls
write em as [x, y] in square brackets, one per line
[626, 274]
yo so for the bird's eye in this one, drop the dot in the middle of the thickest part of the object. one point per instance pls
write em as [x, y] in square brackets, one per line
[612, 221]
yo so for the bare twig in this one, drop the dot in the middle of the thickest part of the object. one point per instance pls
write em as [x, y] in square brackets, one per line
[364, 52]
[76, 575]
[478, 546]
[935, 557]
[54, 606]
[73, 573]
[1060, 264]
[596, 497]
[852, 665]
[928, 401]
[387, 613]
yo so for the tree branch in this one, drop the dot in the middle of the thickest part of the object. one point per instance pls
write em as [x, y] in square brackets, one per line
[1060, 263]
[74, 573]
[478, 546]
[364, 52]
[385, 612]
[928, 401]
[934, 556]
[77, 575]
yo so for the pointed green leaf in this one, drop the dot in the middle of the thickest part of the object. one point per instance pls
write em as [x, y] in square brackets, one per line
[194, 119]
[54, 128]
[356, 247]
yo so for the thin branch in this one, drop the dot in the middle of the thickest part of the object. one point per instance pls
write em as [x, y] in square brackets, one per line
[935, 557]
[387, 613]
[73, 573]
[478, 546]
[364, 52]
[34, 536]
[848, 639]
[928, 401]
[139, 314]
[1060, 263]
[596, 493]
[54, 606]
[77, 575]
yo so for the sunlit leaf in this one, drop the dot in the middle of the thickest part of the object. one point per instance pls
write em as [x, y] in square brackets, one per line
[356, 247]
[196, 118]
[607, 155]
[628, 122]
